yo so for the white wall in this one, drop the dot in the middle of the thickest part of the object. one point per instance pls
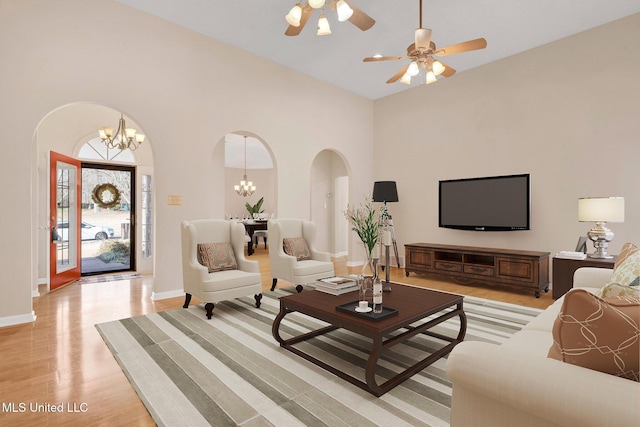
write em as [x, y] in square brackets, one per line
[567, 113]
[185, 91]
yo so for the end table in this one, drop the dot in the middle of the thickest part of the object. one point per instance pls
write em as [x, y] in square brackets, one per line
[563, 269]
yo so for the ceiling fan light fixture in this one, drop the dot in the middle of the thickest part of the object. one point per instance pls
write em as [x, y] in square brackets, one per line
[421, 53]
[437, 68]
[316, 4]
[344, 10]
[323, 26]
[294, 15]
[299, 15]
[413, 69]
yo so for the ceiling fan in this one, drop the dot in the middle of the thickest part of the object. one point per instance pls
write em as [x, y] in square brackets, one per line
[301, 12]
[421, 54]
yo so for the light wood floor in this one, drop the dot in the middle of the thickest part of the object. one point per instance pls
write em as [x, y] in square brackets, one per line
[61, 358]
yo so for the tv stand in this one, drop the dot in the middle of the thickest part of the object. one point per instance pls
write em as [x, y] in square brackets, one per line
[490, 266]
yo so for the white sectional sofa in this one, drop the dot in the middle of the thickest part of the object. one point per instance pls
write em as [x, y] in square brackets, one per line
[516, 384]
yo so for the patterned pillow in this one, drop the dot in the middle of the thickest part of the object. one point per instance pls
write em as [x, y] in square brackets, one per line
[598, 334]
[297, 247]
[626, 267]
[217, 256]
[613, 290]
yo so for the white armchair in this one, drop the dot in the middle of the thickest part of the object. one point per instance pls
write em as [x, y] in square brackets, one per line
[219, 281]
[288, 267]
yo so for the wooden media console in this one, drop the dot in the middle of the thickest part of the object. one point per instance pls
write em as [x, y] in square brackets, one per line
[468, 264]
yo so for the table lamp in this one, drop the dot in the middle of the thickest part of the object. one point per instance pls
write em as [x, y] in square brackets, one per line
[601, 210]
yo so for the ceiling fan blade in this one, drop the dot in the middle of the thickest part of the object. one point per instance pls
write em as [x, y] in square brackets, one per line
[361, 19]
[462, 47]
[398, 75]
[306, 14]
[383, 58]
[448, 71]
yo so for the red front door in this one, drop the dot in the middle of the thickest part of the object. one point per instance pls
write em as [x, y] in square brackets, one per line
[64, 219]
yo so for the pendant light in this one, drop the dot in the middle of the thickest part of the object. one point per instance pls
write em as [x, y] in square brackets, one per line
[246, 187]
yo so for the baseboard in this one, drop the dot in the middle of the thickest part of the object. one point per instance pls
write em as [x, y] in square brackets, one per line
[355, 263]
[17, 320]
[155, 296]
[392, 262]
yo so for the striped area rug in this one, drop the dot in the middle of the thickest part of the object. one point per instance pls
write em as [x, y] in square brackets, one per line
[108, 278]
[230, 371]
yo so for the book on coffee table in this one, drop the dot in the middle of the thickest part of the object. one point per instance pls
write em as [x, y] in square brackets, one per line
[337, 291]
[336, 285]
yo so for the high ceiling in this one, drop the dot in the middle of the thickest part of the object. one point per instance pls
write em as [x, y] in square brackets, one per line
[509, 26]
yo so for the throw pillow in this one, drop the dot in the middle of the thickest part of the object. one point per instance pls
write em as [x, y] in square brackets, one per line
[612, 290]
[626, 268]
[297, 247]
[217, 256]
[598, 334]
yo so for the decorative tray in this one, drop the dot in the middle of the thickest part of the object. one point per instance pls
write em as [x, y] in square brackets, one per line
[350, 307]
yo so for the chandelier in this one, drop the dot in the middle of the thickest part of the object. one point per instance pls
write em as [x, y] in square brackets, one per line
[246, 187]
[123, 138]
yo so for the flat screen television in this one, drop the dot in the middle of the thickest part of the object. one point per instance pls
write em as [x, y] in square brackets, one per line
[494, 203]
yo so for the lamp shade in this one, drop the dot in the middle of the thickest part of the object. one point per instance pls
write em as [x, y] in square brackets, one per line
[385, 191]
[323, 26]
[294, 15]
[601, 209]
[344, 10]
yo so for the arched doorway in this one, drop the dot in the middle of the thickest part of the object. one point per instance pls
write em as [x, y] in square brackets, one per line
[260, 169]
[72, 130]
[329, 199]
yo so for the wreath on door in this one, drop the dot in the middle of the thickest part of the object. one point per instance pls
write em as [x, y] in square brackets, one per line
[105, 195]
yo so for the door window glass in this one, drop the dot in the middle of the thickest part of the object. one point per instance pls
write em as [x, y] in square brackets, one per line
[66, 217]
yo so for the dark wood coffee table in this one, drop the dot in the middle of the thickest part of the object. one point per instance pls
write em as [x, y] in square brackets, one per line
[412, 303]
